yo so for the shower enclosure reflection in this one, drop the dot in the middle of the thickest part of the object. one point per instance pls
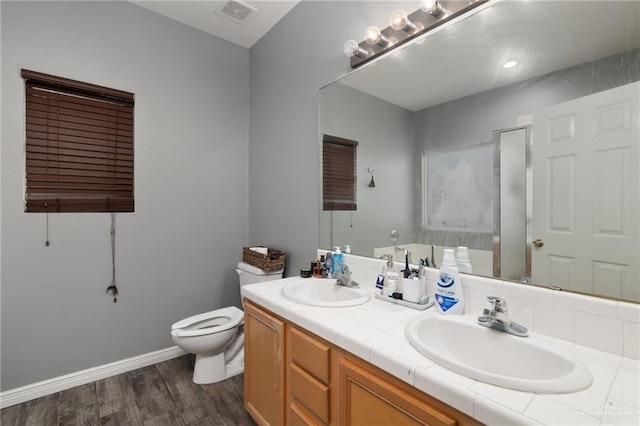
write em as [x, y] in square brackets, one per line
[512, 204]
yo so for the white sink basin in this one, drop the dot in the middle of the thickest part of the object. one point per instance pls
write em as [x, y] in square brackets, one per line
[324, 292]
[491, 356]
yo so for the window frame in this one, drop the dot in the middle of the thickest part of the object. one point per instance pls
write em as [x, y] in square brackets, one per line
[79, 146]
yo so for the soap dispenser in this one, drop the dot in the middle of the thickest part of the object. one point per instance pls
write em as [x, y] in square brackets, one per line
[338, 261]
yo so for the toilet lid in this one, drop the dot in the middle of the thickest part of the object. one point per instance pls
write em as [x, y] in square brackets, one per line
[233, 316]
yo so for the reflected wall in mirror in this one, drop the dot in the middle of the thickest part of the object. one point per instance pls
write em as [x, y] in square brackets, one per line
[449, 91]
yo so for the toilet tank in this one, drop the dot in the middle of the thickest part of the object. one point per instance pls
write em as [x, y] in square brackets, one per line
[250, 274]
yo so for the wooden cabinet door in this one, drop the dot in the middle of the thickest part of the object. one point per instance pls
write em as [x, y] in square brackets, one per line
[264, 366]
[366, 399]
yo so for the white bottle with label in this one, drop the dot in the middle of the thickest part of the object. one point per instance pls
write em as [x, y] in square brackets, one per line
[449, 295]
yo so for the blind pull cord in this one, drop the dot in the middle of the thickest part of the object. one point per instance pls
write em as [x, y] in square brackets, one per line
[47, 242]
[113, 289]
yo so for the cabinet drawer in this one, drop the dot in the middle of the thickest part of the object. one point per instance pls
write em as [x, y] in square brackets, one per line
[299, 417]
[312, 394]
[310, 354]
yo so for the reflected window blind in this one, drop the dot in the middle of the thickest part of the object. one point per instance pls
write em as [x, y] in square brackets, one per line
[79, 146]
[339, 173]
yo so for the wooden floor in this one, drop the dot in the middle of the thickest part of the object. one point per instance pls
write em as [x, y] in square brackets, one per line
[162, 394]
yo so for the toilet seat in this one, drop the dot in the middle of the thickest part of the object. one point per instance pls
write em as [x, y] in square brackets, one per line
[208, 322]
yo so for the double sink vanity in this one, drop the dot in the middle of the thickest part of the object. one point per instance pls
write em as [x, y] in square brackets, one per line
[320, 353]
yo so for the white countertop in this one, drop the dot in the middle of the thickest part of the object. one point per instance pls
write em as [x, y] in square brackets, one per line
[374, 332]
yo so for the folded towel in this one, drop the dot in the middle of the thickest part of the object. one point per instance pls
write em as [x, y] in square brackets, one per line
[261, 250]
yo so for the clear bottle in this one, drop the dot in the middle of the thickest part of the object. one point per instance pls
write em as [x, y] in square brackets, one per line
[449, 295]
[317, 269]
[391, 279]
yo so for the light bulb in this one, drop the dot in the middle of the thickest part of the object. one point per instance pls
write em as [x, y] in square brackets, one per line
[510, 64]
[399, 21]
[352, 48]
[373, 36]
[432, 7]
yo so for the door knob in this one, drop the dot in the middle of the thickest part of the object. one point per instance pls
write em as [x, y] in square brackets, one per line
[538, 243]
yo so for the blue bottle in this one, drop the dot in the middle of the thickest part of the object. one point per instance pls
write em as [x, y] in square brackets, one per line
[338, 261]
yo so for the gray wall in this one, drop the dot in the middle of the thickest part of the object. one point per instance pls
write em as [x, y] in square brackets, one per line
[288, 67]
[177, 253]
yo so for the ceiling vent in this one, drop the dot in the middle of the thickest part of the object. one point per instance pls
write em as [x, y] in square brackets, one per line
[236, 10]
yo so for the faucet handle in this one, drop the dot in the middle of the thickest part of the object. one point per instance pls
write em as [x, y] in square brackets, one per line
[498, 304]
[345, 270]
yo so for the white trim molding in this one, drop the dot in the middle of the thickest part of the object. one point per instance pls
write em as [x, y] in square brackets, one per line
[57, 384]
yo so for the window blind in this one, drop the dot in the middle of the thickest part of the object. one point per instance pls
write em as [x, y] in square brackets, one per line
[339, 173]
[79, 146]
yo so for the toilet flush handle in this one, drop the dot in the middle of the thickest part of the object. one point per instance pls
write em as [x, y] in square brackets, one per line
[239, 271]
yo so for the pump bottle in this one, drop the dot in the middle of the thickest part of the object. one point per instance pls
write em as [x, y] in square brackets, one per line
[338, 260]
[449, 295]
[462, 260]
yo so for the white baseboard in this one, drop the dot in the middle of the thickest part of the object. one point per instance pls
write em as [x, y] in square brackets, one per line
[57, 384]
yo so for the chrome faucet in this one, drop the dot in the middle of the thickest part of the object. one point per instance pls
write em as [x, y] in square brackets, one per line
[344, 278]
[497, 318]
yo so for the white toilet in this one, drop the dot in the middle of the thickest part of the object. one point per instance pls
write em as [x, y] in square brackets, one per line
[217, 337]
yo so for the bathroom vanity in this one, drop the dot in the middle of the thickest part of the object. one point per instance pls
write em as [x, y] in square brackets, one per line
[354, 365]
[294, 377]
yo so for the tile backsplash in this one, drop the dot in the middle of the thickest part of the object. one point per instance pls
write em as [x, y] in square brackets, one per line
[594, 322]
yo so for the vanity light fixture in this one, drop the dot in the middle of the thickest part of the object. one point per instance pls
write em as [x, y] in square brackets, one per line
[374, 36]
[352, 49]
[432, 7]
[404, 28]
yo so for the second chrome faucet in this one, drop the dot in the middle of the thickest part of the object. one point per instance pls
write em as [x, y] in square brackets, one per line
[497, 318]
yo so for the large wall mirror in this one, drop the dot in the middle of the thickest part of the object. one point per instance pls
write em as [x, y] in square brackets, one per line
[534, 168]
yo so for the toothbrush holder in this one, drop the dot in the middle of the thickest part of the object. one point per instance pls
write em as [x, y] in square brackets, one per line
[413, 289]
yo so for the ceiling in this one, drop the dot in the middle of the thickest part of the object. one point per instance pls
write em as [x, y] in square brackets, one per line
[202, 15]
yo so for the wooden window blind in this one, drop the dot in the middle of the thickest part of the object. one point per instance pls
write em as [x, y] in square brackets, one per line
[339, 177]
[79, 146]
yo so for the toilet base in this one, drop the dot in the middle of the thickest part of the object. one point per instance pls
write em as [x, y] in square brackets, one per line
[214, 369]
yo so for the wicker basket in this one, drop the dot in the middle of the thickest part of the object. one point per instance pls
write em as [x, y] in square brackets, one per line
[272, 261]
